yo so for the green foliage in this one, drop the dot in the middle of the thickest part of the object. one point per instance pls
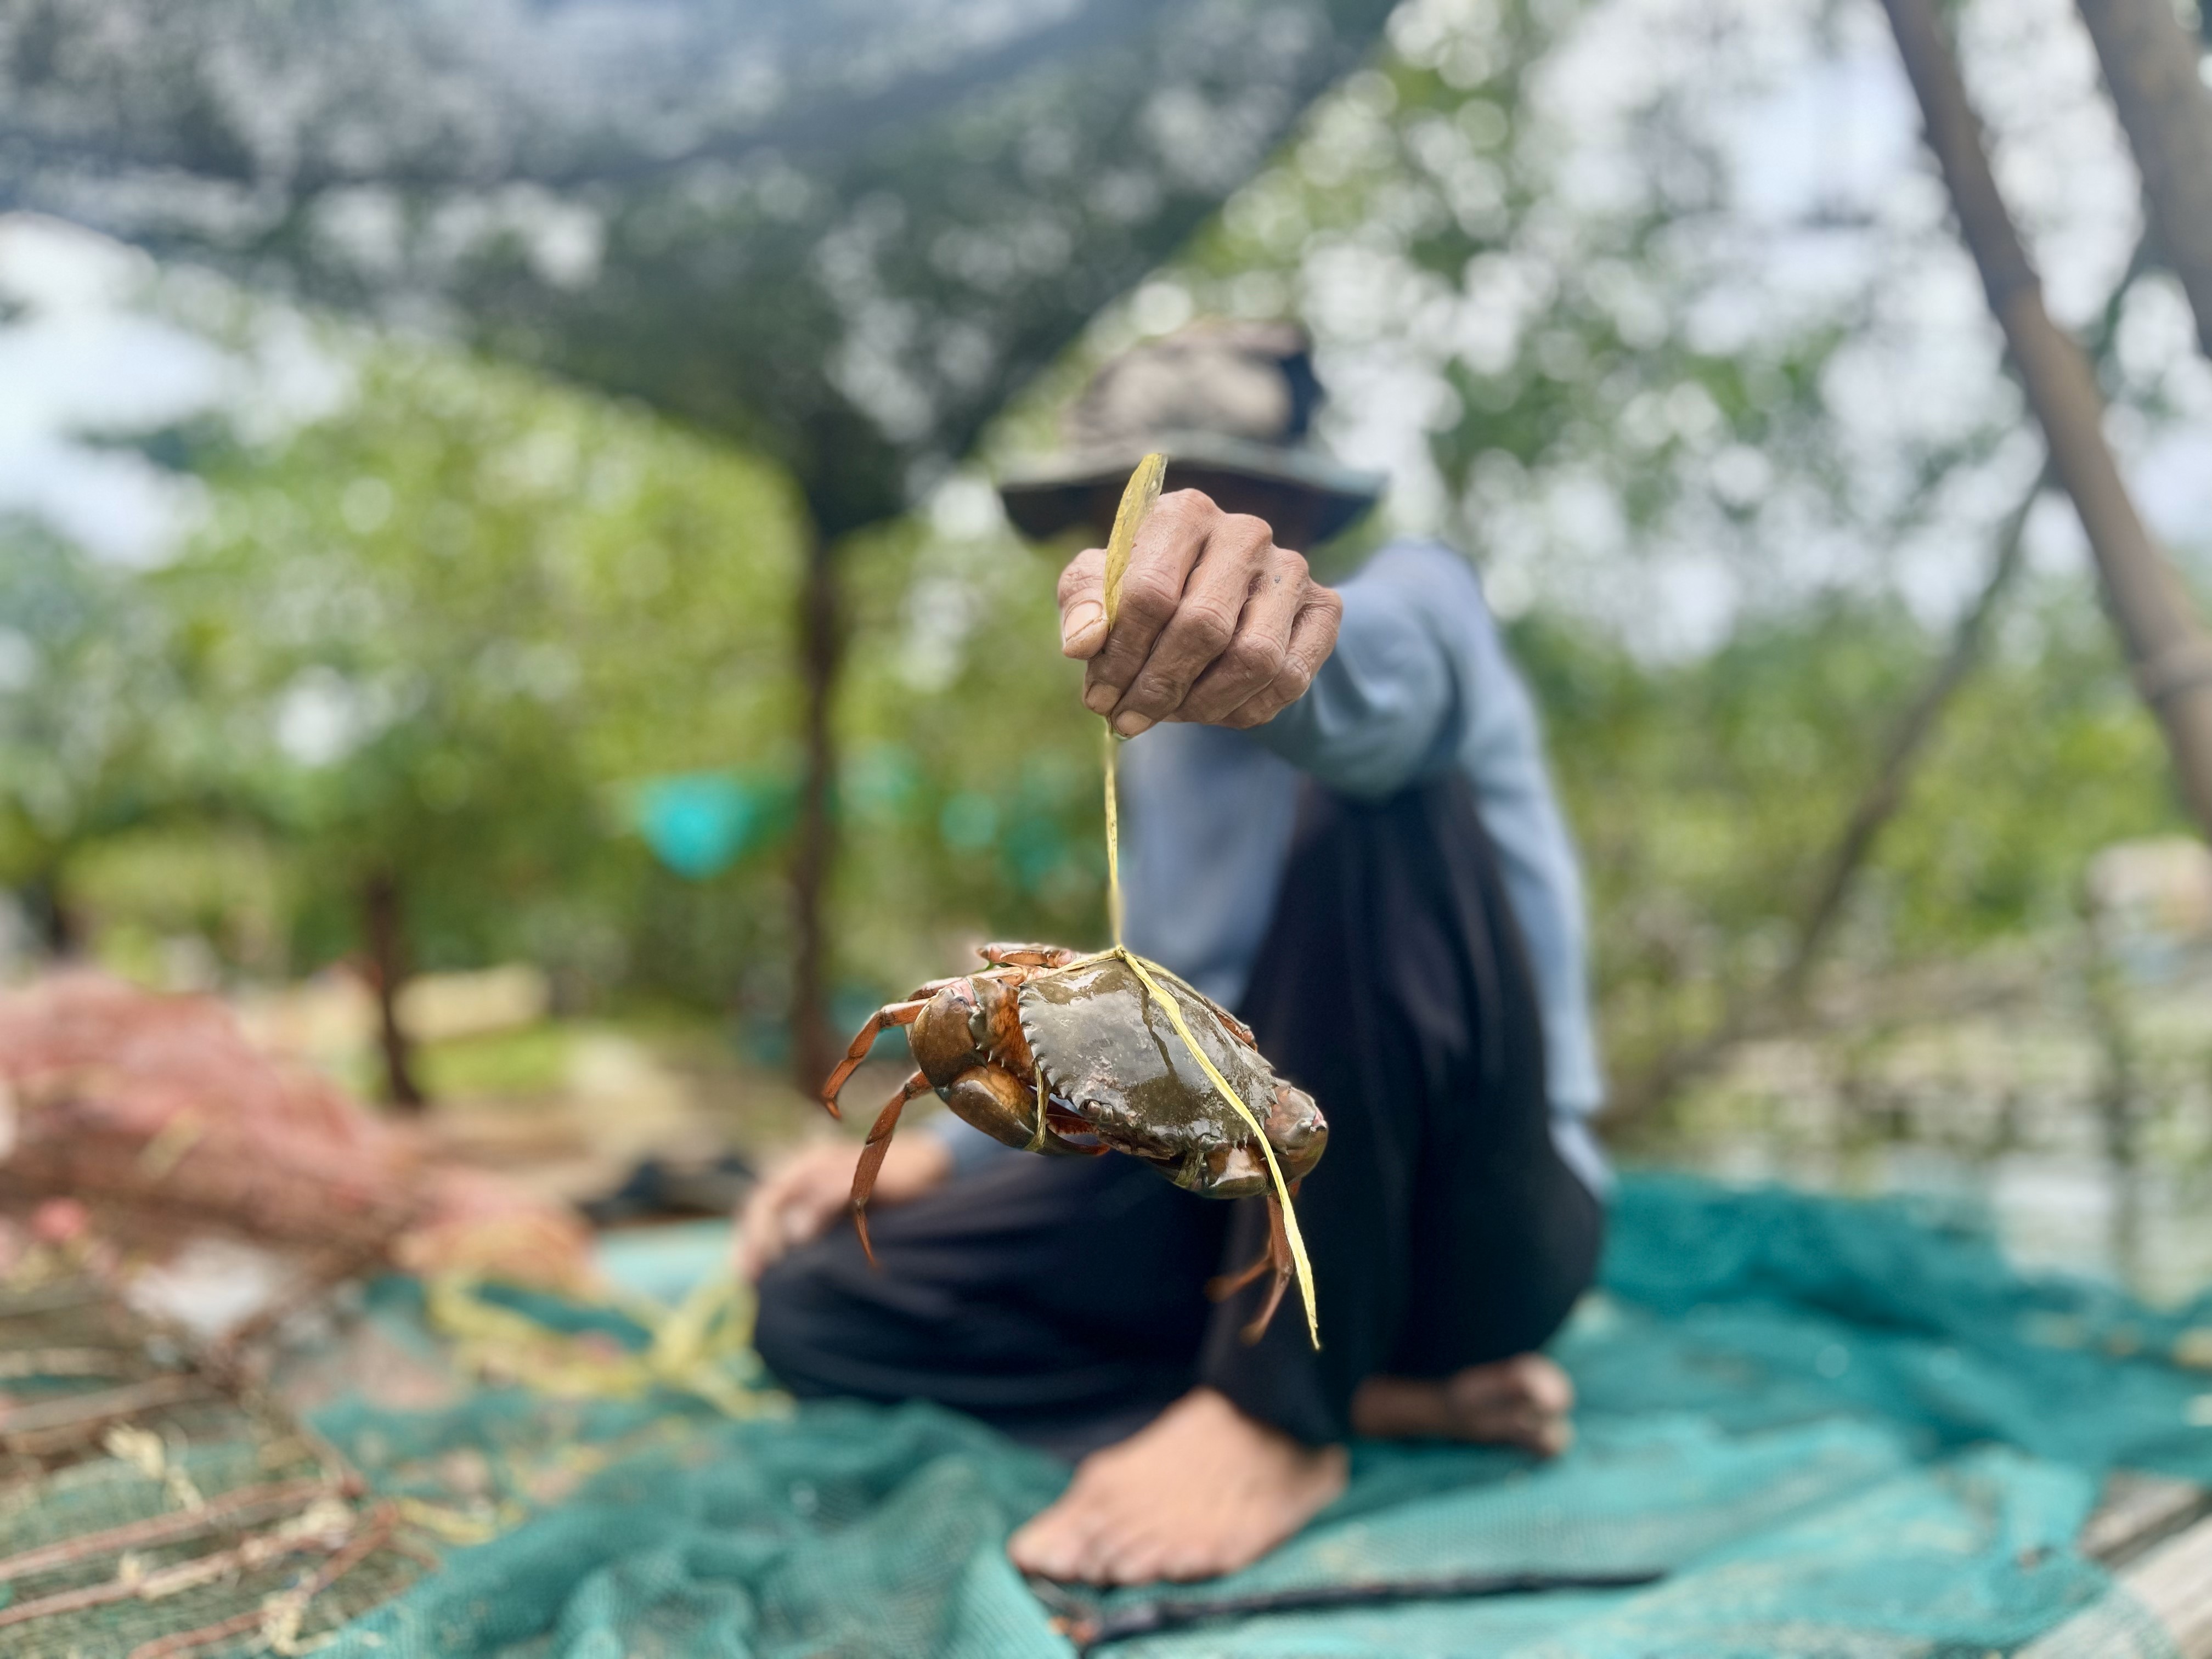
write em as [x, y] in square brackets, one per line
[509, 1065]
[1435, 210]
[101, 730]
[970, 803]
[455, 620]
[1708, 793]
[2049, 755]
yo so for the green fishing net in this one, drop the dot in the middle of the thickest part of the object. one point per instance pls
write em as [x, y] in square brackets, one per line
[1840, 1429]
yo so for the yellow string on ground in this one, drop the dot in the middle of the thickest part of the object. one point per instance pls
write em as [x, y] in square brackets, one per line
[1137, 498]
[701, 1347]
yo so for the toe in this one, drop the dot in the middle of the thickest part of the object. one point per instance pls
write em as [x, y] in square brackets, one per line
[1052, 1545]
[1140, 1560]
[1545, 1386]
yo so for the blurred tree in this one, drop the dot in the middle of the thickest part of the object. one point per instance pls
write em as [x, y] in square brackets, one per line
[2169, 651]
[100, 733]
[459, 615]
[840, 234]
[972, 800]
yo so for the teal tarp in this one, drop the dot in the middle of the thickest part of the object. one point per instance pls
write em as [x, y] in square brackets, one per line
[1842, 1429]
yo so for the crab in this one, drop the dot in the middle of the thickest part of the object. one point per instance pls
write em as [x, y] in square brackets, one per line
[1068, 1055]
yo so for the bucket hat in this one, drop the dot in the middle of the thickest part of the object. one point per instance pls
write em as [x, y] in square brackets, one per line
[1218, 396]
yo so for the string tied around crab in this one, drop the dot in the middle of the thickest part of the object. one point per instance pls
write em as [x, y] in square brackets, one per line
[1138, 496]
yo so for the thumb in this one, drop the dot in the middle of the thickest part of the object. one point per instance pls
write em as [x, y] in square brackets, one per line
[1082, 605]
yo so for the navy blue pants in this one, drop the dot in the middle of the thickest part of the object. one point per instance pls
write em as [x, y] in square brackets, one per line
[1063, 1299]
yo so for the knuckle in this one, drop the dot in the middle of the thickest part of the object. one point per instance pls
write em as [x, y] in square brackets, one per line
[1187, 506]
[1150, 695]
[1149, 596]
[1247, 534]
[1257, 659]
[1209, 625]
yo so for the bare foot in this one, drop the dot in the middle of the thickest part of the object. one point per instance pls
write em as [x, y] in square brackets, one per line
[1523, 1401]
[1200, 1491]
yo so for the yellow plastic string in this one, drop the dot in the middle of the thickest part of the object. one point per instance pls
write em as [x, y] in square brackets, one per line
[1114, 912]
[1221, 1085]
[699, 1346]
[1137, 498]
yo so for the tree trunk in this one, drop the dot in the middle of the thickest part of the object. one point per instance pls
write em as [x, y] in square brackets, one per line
[2150, 64]
[820, 647]
[2166, 646]
[46, 908]
[384, 927]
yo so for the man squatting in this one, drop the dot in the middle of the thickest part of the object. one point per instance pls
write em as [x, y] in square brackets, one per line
[1338, 824]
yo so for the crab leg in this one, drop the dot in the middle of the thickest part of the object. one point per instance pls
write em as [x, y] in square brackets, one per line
[878, 1147]
[1030, 956]
[891, 1013]
[1276, 1256]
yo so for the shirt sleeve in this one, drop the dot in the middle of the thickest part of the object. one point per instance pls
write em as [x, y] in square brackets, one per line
[1388, 705]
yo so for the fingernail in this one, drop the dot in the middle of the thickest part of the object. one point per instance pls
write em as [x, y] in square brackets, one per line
[1079, 623]
[1100, 699]
[1130, 725]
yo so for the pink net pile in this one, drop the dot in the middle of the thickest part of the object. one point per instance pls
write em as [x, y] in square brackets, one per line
[154, 1118]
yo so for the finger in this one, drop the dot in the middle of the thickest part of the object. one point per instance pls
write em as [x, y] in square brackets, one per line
[1168, 546]
[1261, 647]
[822, 1208]
[1083, 604]
[794, 1206]
[1313, 636]
[806, 1214]
[758, 1244]
[1230, 569]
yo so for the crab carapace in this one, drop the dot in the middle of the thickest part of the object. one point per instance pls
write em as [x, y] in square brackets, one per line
[1069, 1054]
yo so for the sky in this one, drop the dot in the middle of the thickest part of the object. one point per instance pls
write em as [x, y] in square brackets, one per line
[98, 343]
[80, 356]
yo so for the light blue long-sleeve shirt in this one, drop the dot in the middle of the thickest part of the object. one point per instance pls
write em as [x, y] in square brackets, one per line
[1419, 682]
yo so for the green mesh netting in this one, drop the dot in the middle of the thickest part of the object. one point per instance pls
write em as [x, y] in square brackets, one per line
[1843, 1430]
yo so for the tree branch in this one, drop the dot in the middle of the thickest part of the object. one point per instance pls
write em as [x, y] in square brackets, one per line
[2165, 645]
[2151, 68]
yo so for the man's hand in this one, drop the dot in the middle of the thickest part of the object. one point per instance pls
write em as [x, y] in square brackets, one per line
[1218, 626]
[807, 1190]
